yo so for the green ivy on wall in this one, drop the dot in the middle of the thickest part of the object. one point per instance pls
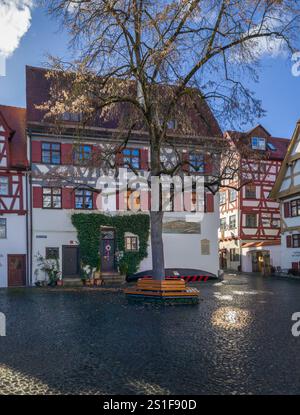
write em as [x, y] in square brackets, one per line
[88, 230]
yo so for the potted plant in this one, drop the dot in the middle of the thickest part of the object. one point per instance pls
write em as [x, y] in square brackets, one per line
[51, 269]
[97, 274]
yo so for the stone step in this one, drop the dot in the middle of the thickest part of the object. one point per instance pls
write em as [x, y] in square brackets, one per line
[72, 282]
[114, 278]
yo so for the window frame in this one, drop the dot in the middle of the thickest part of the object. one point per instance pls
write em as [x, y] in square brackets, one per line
[51, 151]
[251, 194]
[259, 141]
[222, 203]
[295, 202]
[223, 224]
[131, 238]
[131, 156]
[77, 154]
[84, 197]
[230, 225]
[5, 227]
[253, 215]
[8, 178]
[198, 165]
[235, 195]
[51, 194]
[296, 237]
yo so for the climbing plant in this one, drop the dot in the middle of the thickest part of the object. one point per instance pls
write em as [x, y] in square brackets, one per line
[88, 230]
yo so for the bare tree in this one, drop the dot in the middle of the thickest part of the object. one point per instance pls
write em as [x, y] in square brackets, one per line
[146, 61]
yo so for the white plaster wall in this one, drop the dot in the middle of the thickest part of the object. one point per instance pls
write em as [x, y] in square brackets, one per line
[181, 250]
[15, 243]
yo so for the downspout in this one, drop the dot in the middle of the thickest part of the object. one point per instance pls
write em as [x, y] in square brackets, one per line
[30, 204]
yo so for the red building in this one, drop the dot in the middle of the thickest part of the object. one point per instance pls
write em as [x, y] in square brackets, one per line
[13, 200]
[249, 236]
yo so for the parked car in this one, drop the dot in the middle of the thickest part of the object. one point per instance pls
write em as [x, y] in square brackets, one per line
[189, 275]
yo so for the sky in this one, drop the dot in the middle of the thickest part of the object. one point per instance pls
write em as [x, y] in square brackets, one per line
[28, 35]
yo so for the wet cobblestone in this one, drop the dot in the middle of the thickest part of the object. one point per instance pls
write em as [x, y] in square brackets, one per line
[236, 341]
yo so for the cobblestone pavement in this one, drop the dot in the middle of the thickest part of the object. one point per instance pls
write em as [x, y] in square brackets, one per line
[237, 340]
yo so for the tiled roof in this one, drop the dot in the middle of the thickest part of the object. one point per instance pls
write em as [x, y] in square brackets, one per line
[280, 144]
[37, 92]
[15, 118]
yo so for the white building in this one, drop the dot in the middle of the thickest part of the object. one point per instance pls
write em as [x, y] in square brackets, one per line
[287, 191]
[187, 243]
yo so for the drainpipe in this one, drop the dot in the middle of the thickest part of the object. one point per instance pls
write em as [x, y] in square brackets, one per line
[30, 204]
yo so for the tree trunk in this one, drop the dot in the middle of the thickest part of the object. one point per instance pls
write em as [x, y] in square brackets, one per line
[158, 262]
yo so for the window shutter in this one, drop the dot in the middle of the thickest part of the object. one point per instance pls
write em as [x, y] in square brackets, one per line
[145, 200]
[144, 159]
[119, 159]
[96, 154]
[287, 209]
[66, 153]
[68, 198]
[37, 197]
[36, 152]
[209, 203]
[289, 241]
[208, 167]
[97, 201]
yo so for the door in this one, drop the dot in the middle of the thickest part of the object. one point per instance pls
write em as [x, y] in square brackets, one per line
[107, 250]
[70, 261]
[16, 270]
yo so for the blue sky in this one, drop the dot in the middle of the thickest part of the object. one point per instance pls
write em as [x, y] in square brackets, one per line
[278, 88]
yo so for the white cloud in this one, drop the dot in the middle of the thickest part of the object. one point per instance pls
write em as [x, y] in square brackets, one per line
[15, 20]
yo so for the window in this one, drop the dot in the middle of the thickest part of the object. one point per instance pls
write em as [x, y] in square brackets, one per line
[223, 224]
[251, 220]
[295, 207]
[222, 198]
[196, 162]
[258, 143]
[276, 223]
[52, 253]
[172, 124]
[83, 154]
[51, 153]
[83, 199]
[266, 222]
[71, 116]
[131, 243]
[205, 247]
[234, 255]
[51, 198]
[271, 147]
[232, 195]
[250, 191]
[296, 241]
[2, 228]
[4, 185]
[131, 157]
[232, 222]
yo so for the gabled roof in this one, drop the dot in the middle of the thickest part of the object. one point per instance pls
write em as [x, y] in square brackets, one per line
[243, 138]
[15, 120]
[275, 194]
[38, 92]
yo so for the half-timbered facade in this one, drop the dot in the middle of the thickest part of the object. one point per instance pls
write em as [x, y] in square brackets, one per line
[188, 242]
[249, 220]
[287, 191]
[13, 200]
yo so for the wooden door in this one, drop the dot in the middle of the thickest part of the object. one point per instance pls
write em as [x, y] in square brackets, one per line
[16, 270]
[107, 250]
[70, 261]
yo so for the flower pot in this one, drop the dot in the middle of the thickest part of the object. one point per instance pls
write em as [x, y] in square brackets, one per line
[60, 283]
[92, 281]
[98, 282]
[83, 282]
[97, 275]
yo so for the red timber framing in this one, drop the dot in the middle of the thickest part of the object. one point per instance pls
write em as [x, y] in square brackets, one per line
[11, 195]
[267, 211]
